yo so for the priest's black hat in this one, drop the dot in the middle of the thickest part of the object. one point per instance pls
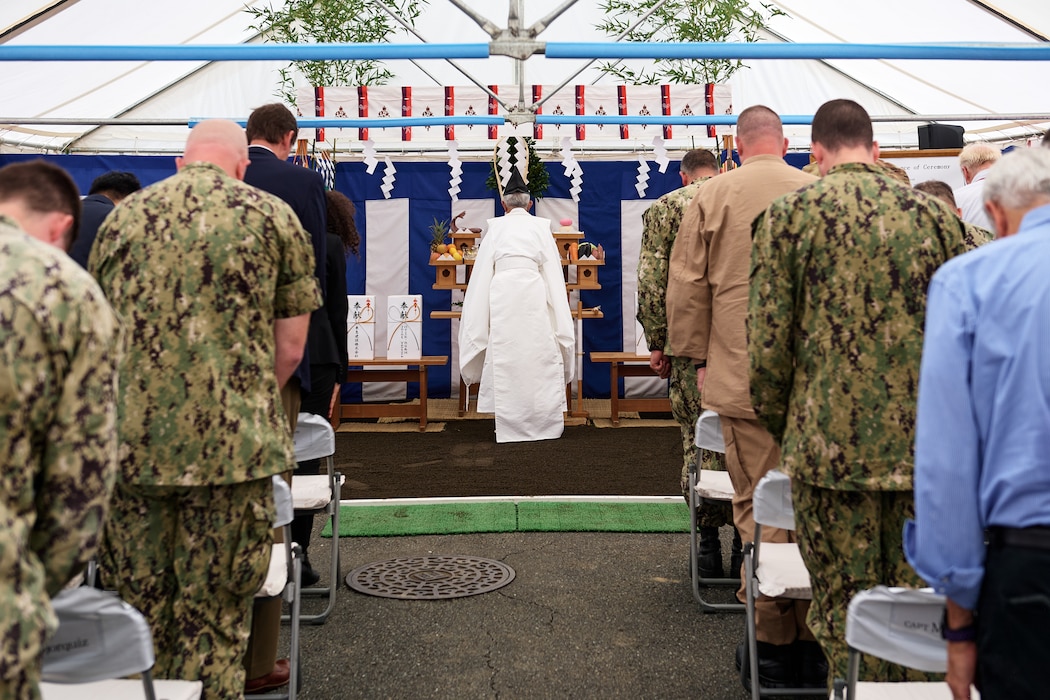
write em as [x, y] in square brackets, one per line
[515, 185]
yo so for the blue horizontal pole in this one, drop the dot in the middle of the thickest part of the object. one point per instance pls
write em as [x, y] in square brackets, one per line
[242, 52]
[629, 50]
[692, 120]
[383, 122]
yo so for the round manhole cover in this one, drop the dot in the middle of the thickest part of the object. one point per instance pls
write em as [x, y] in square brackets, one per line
[430, 578]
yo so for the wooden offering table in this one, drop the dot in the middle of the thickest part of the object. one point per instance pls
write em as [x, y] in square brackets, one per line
[391, 370]
[623, 364]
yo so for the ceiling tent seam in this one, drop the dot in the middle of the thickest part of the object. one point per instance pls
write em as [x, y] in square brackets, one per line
[888, 64]
[42, 15]
[138, 103]
[1009, 19]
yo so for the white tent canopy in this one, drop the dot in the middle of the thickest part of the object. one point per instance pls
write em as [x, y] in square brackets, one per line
[119, 100]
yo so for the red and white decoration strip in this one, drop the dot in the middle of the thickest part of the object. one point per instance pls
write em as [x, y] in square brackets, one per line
[377, 102]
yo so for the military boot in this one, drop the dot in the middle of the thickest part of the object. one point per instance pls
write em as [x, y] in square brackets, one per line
[710, 555]
[736, 557]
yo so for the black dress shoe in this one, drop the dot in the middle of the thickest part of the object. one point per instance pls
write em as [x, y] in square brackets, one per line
[776, 665]
[812, 665]
[309, 576]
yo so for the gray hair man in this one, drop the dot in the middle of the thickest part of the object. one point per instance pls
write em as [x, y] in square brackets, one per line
[974, 161]
[981, 534]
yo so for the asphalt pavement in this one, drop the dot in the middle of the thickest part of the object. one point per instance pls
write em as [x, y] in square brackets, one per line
[587, 615]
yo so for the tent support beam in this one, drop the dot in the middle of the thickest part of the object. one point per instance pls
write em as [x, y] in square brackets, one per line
[43, 14]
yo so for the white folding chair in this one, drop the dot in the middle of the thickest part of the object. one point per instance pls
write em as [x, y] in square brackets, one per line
[708, 485]
[315, 439]
[781, 572]
[100, 639]
[283, 577]
[900, 625]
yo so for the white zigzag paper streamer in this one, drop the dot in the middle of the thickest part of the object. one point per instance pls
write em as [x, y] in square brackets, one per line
[660, 153]
[369, 152]
[568, 160]
[455, 171]
[573, 169]
[389, 173]
[503, 154]
[642, 184]
[521, 152]
[577, 181]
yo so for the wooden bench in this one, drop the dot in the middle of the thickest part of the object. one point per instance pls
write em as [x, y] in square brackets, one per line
[392, 370]
[624, 364]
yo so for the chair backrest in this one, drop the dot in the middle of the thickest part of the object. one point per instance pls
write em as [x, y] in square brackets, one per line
[99, 637]
[772, 501]
[282, 497]
[901, 625]
[314, 438]
[708, 434]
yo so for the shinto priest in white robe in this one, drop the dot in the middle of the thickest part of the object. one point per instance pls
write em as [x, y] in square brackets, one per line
[516, 333]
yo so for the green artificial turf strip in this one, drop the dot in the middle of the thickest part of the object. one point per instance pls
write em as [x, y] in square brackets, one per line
[540, 516]
[425, 519]
[528, 516]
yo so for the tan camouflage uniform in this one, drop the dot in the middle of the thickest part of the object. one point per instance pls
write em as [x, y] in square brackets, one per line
[659, 227]
[60, 344]
[837, 303]
[200, 266]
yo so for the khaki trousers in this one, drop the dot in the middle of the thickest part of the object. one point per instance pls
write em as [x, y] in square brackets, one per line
[261, 656]
[750, 453]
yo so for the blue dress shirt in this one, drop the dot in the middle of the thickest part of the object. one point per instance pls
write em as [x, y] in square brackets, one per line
[982, 446]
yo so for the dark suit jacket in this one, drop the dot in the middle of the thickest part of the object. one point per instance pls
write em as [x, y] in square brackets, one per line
[328, 340]
[303, 190]
[96, 208]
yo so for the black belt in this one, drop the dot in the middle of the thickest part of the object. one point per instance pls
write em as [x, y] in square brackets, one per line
[1036, 537]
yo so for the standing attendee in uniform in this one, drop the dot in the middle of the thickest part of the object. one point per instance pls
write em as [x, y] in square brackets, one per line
[516, 332]
[706, 314]
[660, 224]
[982, 443]
[214, 280]
[272, 131]
[107, 191]
[60, 344]
[839, 274]
[975, 235]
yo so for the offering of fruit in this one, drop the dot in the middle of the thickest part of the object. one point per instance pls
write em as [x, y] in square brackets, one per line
[438, 232]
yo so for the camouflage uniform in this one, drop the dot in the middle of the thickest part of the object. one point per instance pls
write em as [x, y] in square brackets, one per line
[974, 236]
[839, 275]
[200, 266]
[61, 344]
[659, 227]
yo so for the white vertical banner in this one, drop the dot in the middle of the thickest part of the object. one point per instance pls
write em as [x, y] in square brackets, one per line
[630, 247]
[477, 212]
[557, 209]
[386, 240]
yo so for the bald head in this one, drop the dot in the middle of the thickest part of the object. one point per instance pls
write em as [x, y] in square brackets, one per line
[220, 142]
[759, 132]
